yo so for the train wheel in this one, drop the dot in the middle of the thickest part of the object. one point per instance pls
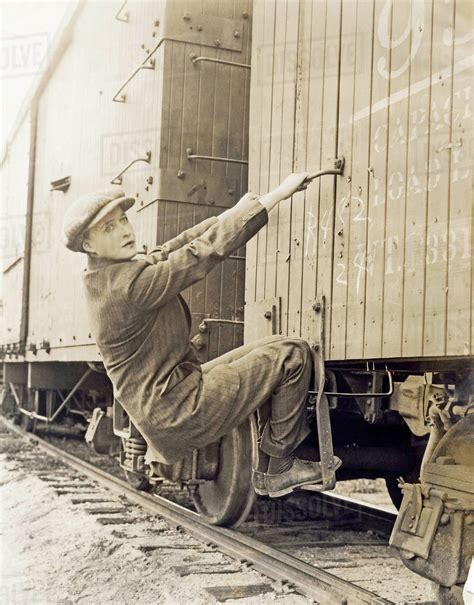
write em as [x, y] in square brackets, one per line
[138, 481]
[228, 499]
[394, 491]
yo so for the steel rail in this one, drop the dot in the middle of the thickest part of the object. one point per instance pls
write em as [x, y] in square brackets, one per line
[315, 583]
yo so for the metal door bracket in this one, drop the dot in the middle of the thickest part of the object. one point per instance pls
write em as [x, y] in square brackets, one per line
[117, 180]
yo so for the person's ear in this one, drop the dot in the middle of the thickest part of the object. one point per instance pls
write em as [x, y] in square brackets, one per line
[86, 245]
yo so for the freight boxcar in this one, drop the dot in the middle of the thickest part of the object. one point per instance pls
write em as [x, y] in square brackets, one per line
[375, 266]
[372, 264]
[139, 95]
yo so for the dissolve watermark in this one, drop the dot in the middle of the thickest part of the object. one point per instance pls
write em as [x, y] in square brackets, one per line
[12, 234]
[23, 55]
[119, 149]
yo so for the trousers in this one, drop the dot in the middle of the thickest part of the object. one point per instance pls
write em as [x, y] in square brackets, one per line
[275, 375]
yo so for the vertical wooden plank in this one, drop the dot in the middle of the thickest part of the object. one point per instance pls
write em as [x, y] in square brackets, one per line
[460, 304]
[222, 135]
[374, 260]
[256, 109]
[199, 290]
[315, 224]
[190, 104]
[272, 255]
[343, 209]
[437, 227]
[357, 253]
[405, 31]
[266, 67]
[206, 105]
[328, 153]
[176, 104]
[286, 152]
[416, 203]
[298, 209]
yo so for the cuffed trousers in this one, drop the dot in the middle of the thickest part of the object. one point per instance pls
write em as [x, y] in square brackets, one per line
[274, 375]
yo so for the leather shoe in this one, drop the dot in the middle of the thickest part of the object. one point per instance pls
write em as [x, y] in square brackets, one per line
[258, 482]
[301, 473]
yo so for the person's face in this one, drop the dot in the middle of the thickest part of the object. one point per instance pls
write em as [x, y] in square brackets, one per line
[113, 237]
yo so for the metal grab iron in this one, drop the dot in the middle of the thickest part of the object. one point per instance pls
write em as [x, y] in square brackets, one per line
[123, 98]
[338, 170]
[211, 158]
[196, 59]
[117, 180]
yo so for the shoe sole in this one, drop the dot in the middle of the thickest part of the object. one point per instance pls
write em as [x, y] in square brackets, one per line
[289, 489]
[305, 485]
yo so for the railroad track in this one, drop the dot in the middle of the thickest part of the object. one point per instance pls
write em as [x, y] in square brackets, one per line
[263, 554]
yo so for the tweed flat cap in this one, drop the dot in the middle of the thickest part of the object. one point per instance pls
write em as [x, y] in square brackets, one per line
[88, 211]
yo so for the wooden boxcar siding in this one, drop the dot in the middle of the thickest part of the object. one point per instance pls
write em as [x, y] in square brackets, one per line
[13, 174]
[83, 134]
[388, 246]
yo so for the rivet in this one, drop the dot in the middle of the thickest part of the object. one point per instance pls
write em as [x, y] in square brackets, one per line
[245, 15]
[217, 42]
[236, 34]
[317, 307]
[186, 16]
[199, 28]
[157, 22]
[230, 192]
[180, 174]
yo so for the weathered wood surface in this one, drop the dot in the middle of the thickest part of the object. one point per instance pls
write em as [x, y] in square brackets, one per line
[82, 133]
[388, 246]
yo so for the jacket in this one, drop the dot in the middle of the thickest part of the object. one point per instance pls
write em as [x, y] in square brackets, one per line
[141, 325]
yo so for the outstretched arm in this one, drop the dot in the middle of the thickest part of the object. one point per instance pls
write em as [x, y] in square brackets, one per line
[294, 182]
[152, 285]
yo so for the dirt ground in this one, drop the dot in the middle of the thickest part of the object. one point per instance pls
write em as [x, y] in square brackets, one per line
[56, 553]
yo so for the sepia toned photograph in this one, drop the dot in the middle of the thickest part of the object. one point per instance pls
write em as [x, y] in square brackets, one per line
[236, 302]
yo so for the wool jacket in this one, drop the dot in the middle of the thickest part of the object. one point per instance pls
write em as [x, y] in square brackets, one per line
[141, 325]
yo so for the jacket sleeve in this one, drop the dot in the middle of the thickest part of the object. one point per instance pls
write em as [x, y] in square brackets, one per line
[152, 285]
[164, 250]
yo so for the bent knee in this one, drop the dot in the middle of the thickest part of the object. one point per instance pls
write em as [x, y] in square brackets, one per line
[299, 349]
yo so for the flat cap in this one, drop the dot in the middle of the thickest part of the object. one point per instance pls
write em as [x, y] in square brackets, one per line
[88, 211]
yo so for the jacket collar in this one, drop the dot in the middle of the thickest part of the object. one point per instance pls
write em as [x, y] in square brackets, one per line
[97, 262]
